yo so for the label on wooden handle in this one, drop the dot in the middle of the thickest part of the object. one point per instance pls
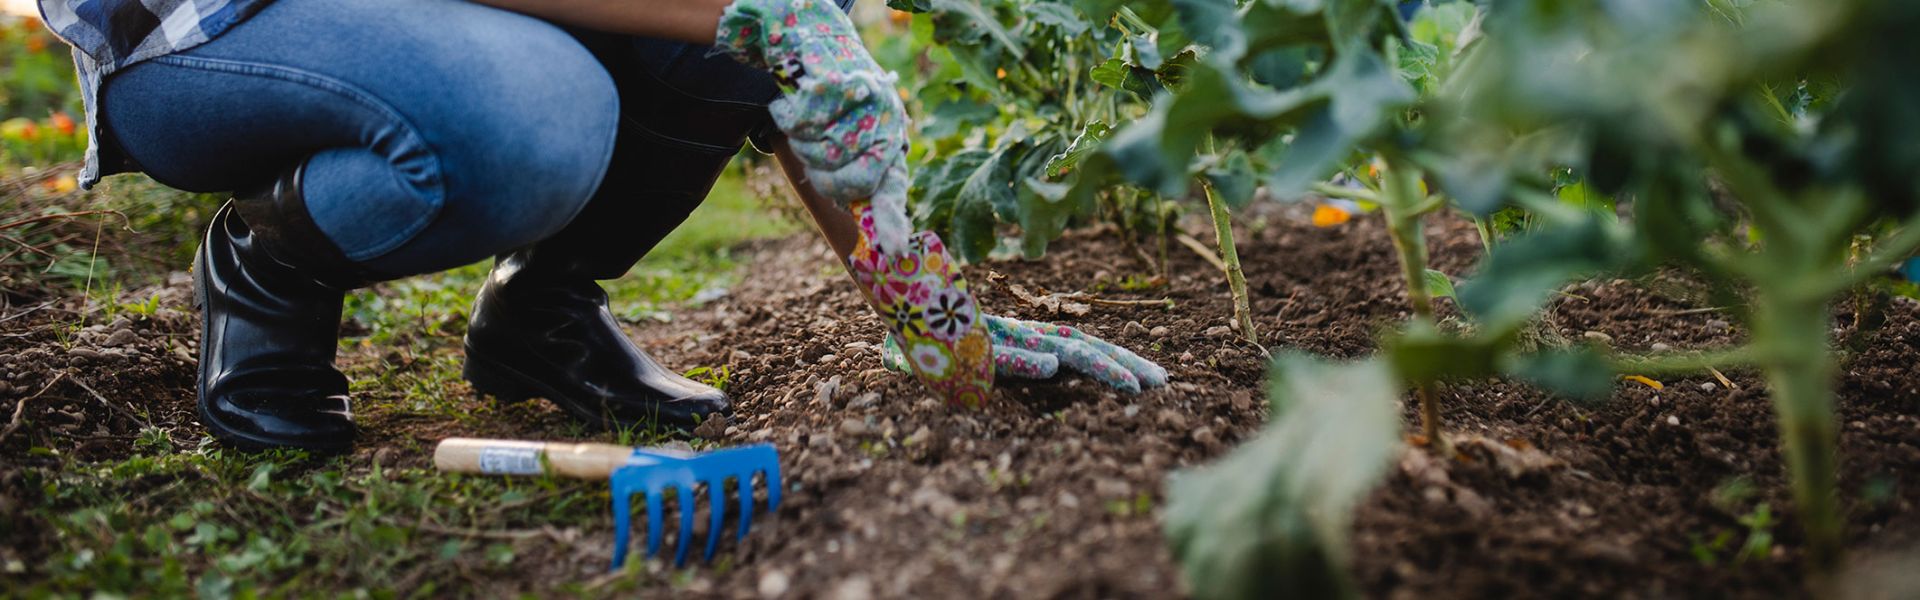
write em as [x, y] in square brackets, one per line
[510, 461]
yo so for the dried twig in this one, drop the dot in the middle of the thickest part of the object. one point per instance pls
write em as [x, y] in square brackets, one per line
[1202, 250]
[24, 245]
[1091, 299]
[20, 410]
[1685, 311]
[69, 215]
[109, 403]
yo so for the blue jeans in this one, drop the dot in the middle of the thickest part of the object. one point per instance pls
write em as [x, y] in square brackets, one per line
[435, 132]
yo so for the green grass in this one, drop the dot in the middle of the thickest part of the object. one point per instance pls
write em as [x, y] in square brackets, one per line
[185, 517]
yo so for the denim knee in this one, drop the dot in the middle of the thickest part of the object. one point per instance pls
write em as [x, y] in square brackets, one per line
[524, 150]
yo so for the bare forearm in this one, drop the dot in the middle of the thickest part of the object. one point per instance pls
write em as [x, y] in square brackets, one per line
[835, 223]
[682, 20]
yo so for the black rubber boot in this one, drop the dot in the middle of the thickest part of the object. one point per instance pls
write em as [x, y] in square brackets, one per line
[540, 325]
[270, 297]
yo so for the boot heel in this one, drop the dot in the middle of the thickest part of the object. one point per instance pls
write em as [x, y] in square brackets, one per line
[488, 380]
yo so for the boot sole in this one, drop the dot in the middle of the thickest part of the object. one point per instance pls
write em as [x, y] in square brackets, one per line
[509, 385]
[227, 436]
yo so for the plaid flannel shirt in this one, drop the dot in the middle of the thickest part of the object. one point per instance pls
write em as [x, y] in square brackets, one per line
[108, 35]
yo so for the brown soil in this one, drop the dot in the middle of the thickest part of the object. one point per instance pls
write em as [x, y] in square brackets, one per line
[1041, 493]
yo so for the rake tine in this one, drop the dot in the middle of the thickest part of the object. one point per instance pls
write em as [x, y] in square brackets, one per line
[773, 481]
[622, 523]
[655, 522]
[717, 509]
[685, 493]
[746, 508]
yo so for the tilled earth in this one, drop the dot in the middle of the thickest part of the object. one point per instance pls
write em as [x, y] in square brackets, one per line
[1054, 489]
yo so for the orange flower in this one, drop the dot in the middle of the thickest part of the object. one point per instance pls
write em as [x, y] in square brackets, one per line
[36, 44]
[899, 17]
[62, 123]
[64, 184]
[1327, 215]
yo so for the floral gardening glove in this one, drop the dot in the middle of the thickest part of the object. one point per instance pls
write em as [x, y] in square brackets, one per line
[843, 119]
[919, 292]
[1031, 350]
[838, 107]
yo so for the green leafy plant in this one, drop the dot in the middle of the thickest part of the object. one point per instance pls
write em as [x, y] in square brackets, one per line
[1753, 146]
[1271, 520]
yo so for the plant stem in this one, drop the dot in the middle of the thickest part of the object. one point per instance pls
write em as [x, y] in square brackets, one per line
[1236, 280]
[1400, 200]
[1800, 371]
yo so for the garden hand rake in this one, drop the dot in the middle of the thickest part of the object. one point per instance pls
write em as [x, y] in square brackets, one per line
[647, 471]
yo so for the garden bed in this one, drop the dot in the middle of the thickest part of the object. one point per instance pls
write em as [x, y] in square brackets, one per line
[1053, 490]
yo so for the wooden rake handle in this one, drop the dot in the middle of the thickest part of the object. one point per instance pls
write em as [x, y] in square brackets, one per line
[518, 457]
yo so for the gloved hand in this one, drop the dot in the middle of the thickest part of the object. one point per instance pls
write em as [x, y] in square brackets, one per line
[920, 294]
[842, 118]
[1031, 350]
[838, 107]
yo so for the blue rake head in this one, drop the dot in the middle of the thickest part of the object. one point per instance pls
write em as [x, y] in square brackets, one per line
[651, 472]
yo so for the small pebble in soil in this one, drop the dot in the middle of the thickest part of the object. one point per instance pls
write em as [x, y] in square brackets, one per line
[919, 436]
[1218, 331]
[1205, 437]
[1160, 331]
[1134, 328]
[1186, 357]
[1718, 325]
[1172, 419]
[120, 338]
[1660, 347]
[854, 427]
[774, 584]
[1599, 337]
[1709, 386]
[1673, 420]
[857, 587]
[712, 428]
[823, 391]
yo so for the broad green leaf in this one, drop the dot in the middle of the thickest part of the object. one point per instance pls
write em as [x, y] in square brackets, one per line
[1423, 353]
[1143, 52]
[1272, 518]
[1234, 180]
[987, 191]
[1215, 24]
[1116, 73]
[1086, 143]
[946, 119]
[979, 17]
[937, 188]
[1279, 68]
[1099, 11]
[1364, 95]
[1055, 14]
[1439, 285]
[1269, 25]
[1522, 273]
[1173, 72]
[1579, 373]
